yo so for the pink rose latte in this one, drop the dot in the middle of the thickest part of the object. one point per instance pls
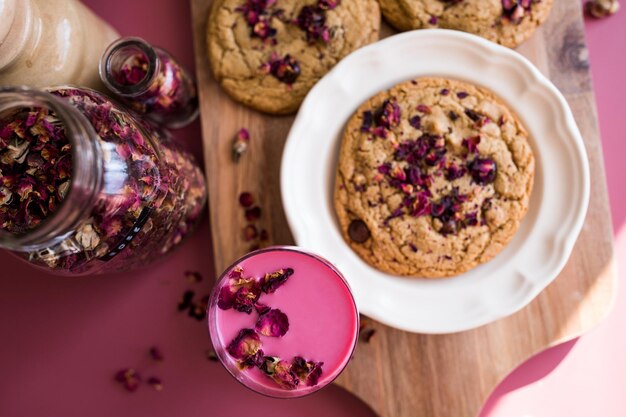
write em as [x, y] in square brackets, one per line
[283, 322]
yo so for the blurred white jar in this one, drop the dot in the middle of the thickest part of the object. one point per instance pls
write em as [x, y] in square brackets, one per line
[51, 42]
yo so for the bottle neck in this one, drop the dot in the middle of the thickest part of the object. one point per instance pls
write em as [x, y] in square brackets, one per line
[130, 67]
[85, 177]
[19, 25]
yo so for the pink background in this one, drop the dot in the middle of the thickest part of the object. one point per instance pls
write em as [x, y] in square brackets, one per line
[62, 339]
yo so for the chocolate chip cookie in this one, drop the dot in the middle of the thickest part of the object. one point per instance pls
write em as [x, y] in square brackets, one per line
[434, 177]
[507, 22]
[268, 54]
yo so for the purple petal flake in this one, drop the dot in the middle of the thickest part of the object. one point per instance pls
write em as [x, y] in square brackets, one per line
[271, 282]
[309, 372]
[328, 4]
[483, 170]
[245, 345]
[471, 144]
[261, 308]
[239, 293]
[416, 122]
[286, 69]
[388, 115]
[274, 323]
[368, 120]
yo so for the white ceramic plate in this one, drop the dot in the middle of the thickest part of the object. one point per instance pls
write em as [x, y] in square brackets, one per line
[547, 235]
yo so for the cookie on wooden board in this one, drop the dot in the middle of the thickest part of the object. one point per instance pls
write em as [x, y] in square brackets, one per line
[268, 54]
[507, 22]
[434, 177]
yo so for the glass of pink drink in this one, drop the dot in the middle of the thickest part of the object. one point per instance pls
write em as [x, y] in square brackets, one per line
[283, 321]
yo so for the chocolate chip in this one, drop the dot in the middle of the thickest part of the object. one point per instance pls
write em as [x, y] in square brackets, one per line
[358, 231]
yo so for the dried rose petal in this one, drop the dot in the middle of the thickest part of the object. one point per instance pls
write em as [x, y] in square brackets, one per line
[454, 172]
[368, 120]
[281, 372]
[285, 69]
[388, 115]
[261, 308]
[253, 214]
[246, 344]
[239, 293]
[240, 144]
[155, 383]
[257, 16]
[358, 231]
[416, 122]
[312, 20]
[328, 4]
[471, 144]
[422, 108]
[483, 170]
[474, 116]
[35, 165]
[156, 354]
[129, 378]
[367, 335]
[187, 298]
[274, 323]
[271, 282]
[211, 355]
[308, 372]
[250, 232]
[246, 199]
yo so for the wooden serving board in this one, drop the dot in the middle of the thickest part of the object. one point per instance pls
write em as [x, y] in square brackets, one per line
[401, 374]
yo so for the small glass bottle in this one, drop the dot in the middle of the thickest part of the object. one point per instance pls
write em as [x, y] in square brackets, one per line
[51, 42]
[86, 187]
[150, 81]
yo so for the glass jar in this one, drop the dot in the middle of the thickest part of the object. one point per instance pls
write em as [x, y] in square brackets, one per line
[51, 42]
[86, 187]
[150, 81]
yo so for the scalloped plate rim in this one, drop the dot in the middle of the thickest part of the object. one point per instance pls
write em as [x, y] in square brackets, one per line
[373, 51]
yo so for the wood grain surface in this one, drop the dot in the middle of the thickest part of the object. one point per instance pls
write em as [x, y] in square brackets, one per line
[401, 374]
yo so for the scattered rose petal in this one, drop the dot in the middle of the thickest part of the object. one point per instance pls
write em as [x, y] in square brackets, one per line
[471, 144]
[155, 383]
[246, 199]
[211, 355]
[187, 298]
[156, 354]
[253, 214]
[129, 378]
[250, 232]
